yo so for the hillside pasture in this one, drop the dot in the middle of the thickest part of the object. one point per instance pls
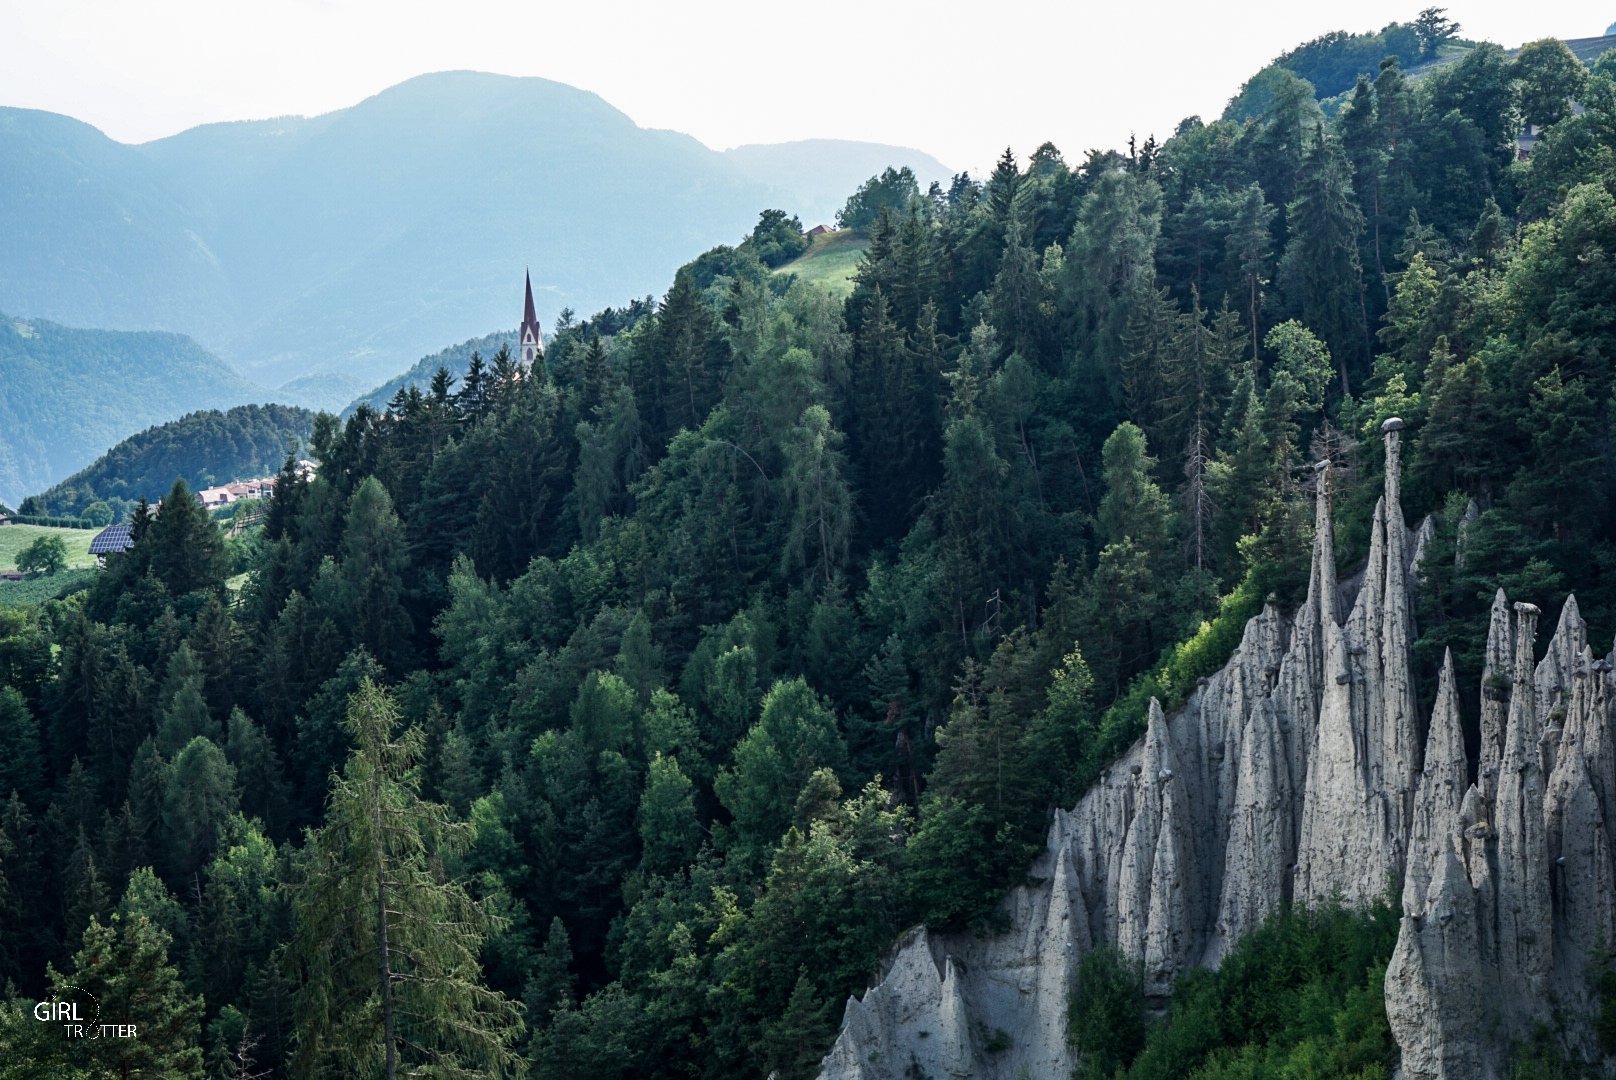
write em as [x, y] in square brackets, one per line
[831, 262]
[13, 538]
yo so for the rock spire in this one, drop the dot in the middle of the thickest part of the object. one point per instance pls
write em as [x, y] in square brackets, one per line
[1300, 772]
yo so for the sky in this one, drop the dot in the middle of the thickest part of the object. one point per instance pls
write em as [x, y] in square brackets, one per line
[960, 82]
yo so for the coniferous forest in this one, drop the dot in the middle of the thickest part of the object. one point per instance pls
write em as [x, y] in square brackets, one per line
[612, 719]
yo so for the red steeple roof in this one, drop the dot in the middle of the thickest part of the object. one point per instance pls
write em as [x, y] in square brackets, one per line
[530, 337]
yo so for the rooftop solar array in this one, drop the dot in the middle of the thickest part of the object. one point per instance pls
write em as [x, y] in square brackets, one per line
[112, 540]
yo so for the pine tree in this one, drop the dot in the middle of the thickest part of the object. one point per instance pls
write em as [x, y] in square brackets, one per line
[1195, 384]
[218, 646]
[1018, 300]
[1129, 599]
[879, 448]
[148, 780]
[1133, 506]
[265, 793]
[386, 947]
[594, 381]
[473, 399]
[795, 735]
[639, 660]
[606, 715]
[85, 892]
[549, 984]
[794, 1042]
[184, 714]
[24, 941]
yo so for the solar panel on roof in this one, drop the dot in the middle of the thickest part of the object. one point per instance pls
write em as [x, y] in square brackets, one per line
[112, 540]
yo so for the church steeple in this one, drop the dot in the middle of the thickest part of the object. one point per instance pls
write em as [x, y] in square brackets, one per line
[530, 336]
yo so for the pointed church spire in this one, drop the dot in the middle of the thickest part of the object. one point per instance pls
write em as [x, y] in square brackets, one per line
[530, 337]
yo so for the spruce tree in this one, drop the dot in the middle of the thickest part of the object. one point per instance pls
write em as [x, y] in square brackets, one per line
[670, 834]
[1320, 273]
[370, 577]
[187, 549]
[197, 804]
[20, 759]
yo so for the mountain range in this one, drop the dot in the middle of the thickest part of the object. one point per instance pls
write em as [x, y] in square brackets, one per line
[68, 394]
[331, 252]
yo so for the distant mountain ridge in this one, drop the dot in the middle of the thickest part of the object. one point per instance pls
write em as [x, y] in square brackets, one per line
[455, 359]
[354, 242]
[67, 394]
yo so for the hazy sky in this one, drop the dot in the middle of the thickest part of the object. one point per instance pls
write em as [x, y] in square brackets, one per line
[955, 80]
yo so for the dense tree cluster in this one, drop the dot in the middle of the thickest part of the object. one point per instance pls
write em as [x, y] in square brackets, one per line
[669, 680]
[205, 448]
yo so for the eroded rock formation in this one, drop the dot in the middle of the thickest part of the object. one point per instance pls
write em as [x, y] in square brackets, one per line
[1301, 772]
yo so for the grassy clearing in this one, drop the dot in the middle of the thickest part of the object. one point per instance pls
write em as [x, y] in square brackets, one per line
[13, 538]
[831, 262]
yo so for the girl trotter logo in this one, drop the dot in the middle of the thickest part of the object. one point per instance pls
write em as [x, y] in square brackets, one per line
[79, 1014]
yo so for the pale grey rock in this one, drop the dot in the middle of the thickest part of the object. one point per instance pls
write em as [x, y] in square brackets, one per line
[1349, 847]
[1400, 745]
[1525, 920]
[1422, 540]
[1435, 978]
[1495, 693]
[1299, 773]
[1440, 794]
[1172, 881]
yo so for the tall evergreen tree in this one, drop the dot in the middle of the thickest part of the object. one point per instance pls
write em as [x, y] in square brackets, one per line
[1320, 272]
[124, 963]
[670, 833]
[386, 947]
[821, 506]
[369, 584]
[186, 548]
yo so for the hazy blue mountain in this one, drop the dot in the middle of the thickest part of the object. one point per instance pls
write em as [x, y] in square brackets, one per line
[353, 243]
[455, 358]
[814, 177]
[207, 447]
[66, 395]
[363, 239]
[96, 234]
[328, 390]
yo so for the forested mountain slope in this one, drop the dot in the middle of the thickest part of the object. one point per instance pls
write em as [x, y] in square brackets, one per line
[69, 393]
[752, 631]
[1302, 774]
[203, 448]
